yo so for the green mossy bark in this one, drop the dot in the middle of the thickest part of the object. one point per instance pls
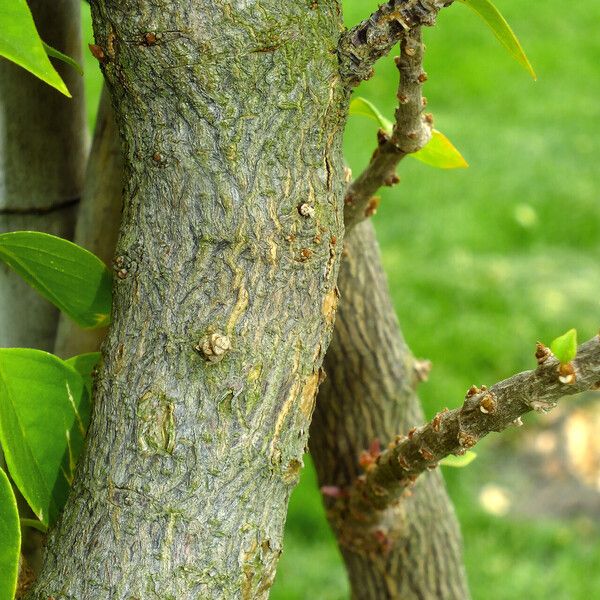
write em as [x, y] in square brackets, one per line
[231, 115]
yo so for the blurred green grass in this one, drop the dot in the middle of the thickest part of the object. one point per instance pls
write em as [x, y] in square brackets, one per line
[481, 264]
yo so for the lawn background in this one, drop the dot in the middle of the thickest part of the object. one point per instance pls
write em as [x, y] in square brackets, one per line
[481, 264]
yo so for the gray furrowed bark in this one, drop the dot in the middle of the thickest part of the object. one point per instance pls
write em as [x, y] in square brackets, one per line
[42, 161]
[232, 115]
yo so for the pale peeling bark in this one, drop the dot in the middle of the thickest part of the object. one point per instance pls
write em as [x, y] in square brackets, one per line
[98, 219]
[232, 116]
[413, 549]
[42, 162]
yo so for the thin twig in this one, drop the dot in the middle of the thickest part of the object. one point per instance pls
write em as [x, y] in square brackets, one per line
[412, 131]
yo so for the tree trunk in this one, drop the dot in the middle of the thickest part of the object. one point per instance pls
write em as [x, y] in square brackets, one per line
[97, 220]
[42, 162]
[414, 551]
[232, 116]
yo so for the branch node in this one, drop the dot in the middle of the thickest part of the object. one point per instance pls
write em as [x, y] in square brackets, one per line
[391, 180]
[397, 441]
[382, 137]
[403, 463]
[372, 206]
[333, 491]
[436, 422]
[566, 373]
[542, 353]
[306, 210]
[426, 454]
[472, 391]
[466, 440]
[488, 404]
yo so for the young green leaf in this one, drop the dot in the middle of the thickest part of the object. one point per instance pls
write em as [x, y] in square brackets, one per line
[21, 43]
[73, 279]
[565, 346]
[50, 51]
[502, 30]
[441, 153]
[361, 106]
[44, 414]
[10, 539]
[459, 461]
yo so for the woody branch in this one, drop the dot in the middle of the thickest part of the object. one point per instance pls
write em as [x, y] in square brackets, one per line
[411, 132]
[484, 410]
[362, 46]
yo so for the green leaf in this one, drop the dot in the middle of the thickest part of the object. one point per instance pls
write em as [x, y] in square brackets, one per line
[21, 43]
[50, 51]
[10, 539]
[459, 461]
[502, 30]
[440, 153]
[44, 414]
[565, 346]
[73, 279]
[361, 106]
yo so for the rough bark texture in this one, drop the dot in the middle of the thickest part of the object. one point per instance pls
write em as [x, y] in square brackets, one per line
[42, 162]
[232, 115]
[413, 549]
[98, 219]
